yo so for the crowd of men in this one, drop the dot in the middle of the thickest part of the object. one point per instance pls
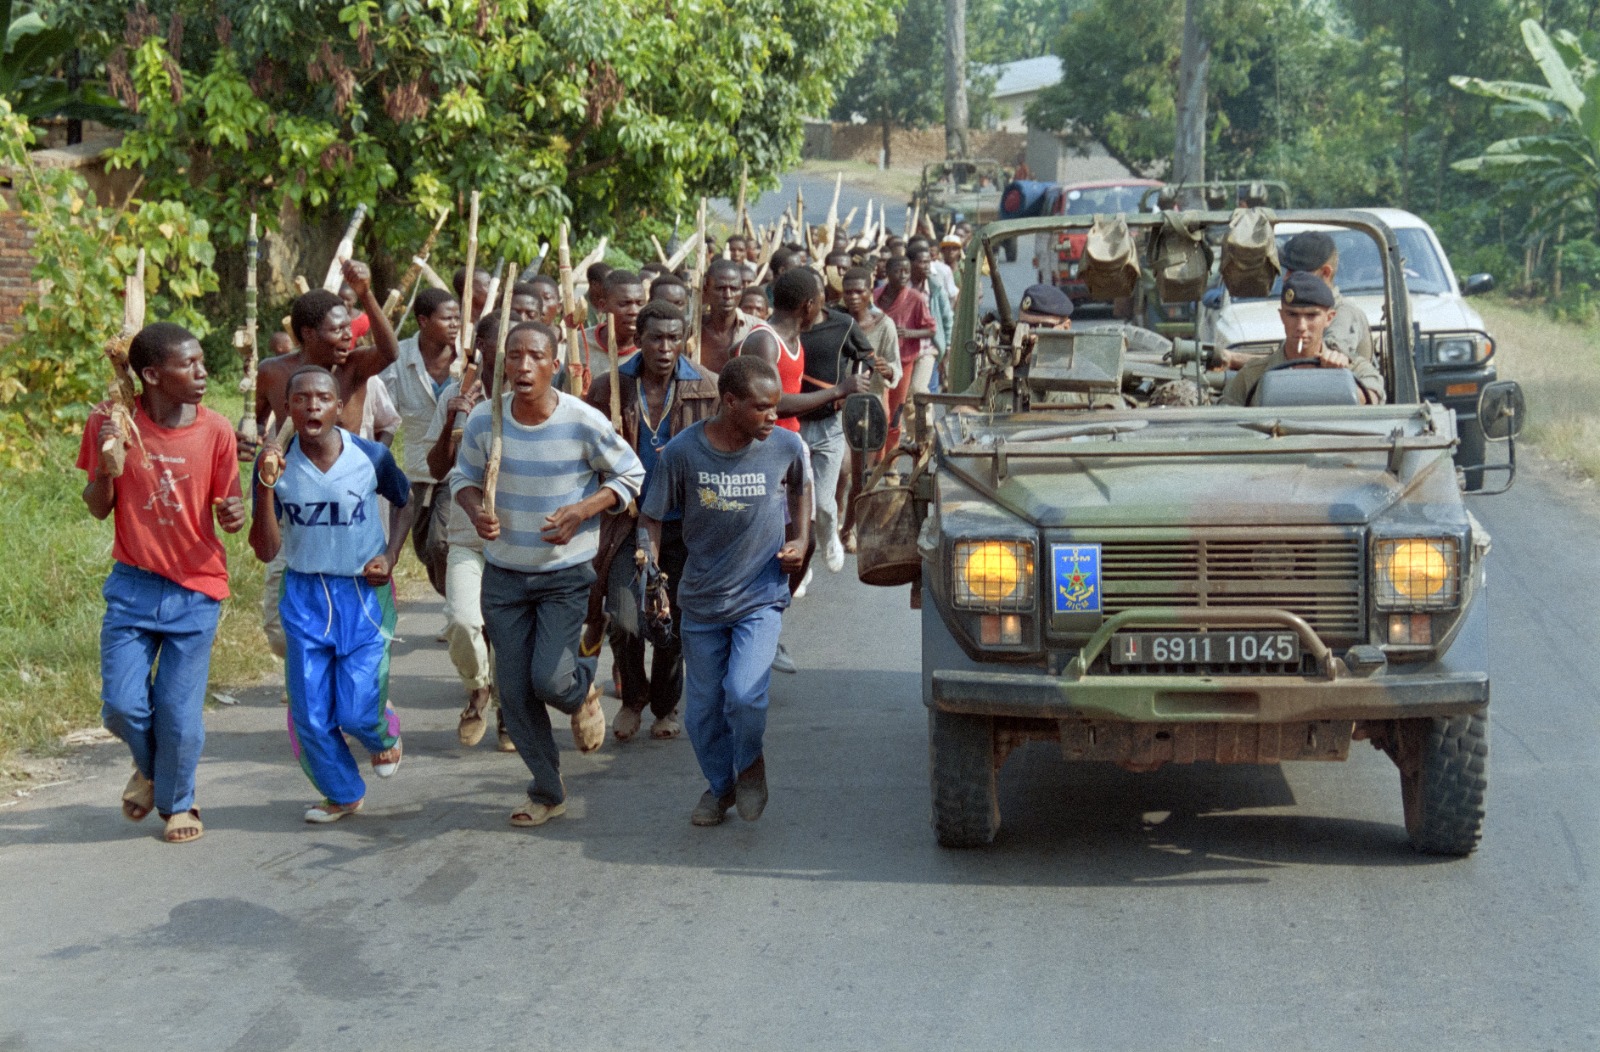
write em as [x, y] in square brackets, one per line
[664, 489]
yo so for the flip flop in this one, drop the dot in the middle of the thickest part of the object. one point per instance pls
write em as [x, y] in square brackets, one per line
[472, 725]
[138, 798]
[184, 827]
[665, 727]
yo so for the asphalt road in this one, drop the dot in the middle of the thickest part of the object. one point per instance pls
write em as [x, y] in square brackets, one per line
[1244, 908]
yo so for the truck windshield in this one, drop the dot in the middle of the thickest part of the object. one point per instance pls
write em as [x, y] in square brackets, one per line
[1361, 270]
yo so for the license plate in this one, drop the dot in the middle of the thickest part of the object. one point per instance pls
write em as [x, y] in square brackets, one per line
[1205, 648]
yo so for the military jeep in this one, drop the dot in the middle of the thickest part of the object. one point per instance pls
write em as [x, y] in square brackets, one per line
[1145, 584]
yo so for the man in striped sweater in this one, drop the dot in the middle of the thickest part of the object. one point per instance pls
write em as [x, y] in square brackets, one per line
[563, 465]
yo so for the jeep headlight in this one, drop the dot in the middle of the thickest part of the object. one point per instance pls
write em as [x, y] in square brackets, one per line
[994, 575]
[1417, 573]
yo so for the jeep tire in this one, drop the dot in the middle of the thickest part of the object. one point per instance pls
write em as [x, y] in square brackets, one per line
[966, 804]
[1444, 768]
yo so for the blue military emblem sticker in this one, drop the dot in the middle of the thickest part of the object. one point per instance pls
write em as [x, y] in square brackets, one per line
[1077, 578]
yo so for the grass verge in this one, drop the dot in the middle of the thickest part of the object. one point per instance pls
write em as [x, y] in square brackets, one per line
[50, 611]
[1558, 366]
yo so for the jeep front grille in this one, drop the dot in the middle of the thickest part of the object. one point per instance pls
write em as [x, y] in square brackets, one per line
[1318, 578]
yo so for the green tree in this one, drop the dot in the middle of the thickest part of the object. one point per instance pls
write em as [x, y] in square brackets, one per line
[607, 114]
[898, 83]
[33, 58]
[84, 249]
[1555, 165]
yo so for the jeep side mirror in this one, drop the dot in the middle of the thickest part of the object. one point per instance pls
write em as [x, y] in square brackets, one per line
[1500, 410]
[1477, 285]
[1500, 413]
[866, 423]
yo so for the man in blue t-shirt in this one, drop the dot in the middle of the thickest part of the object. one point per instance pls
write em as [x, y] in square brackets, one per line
[744, 490]
[337, 602]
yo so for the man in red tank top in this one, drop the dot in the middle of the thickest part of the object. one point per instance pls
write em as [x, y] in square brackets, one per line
[796, 305]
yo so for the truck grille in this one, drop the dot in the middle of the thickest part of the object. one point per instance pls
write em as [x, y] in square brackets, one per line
[1318, 578]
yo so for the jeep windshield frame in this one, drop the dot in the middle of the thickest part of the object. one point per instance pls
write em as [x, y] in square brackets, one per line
[1403, 388]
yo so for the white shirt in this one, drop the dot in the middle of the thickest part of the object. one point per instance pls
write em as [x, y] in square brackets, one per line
[415, 397]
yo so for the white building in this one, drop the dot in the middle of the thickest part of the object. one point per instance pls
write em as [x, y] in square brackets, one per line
[1016, 84]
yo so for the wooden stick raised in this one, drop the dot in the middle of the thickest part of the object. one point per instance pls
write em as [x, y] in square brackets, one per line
[497, 413]
[245, 340]
[124, 390]
[571, 321]
[697, 287]
[468, 320]
[402, 292]
[346, 248]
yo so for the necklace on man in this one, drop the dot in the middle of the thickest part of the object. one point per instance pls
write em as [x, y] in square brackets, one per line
[654, 430]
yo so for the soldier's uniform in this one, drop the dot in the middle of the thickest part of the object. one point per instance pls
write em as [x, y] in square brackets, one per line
[1309, 290]
[1349, 333]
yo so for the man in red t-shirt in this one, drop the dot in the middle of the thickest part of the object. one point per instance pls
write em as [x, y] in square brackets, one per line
[170, 576]
[914, 322]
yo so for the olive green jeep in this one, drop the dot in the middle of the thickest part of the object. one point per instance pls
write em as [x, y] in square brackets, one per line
[1146, 581]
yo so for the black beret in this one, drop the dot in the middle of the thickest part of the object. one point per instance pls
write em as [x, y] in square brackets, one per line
[1046, 299]
[1307, 251]
[1306, 290]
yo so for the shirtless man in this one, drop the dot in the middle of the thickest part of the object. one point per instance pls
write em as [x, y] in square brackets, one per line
[724, 324]
[321, 327]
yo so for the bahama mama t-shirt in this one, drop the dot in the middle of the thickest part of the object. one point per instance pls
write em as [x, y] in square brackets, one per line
[735, 507]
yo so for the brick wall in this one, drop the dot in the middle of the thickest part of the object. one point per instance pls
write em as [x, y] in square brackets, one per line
[16, 239]
[16, 263]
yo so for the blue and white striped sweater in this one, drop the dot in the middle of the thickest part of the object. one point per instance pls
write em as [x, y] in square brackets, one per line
[559, 462]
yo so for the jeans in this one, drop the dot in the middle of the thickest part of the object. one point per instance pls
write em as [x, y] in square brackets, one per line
[153, 624]
[337, 675]
[728, 668]
[826, 439]
[463, 616]
[662, 687]
[533, 621]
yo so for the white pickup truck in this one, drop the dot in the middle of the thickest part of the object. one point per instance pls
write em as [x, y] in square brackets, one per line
[1454, 353]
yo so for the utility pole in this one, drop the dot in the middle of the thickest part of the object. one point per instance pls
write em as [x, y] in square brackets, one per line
[955, 78]
[1189, 156]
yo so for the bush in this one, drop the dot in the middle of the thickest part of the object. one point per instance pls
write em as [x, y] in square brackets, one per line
[53, 372]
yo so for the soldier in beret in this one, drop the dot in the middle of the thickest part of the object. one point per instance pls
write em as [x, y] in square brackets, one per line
[1306, 309]
[1313, 252]
[1046, 307]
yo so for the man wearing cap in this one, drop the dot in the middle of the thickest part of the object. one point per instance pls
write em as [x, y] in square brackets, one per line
[1313, 252]
[1045, 307]
[1306, 310]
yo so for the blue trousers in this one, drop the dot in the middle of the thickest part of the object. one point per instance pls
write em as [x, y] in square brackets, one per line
[727, 669]
[337, 674]
[155, 655]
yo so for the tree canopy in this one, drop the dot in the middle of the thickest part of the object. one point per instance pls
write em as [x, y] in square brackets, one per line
[607, 114]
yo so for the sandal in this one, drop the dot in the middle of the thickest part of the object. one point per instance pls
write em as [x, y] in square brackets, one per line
[138, 798]
[471, 728]
[183, 827]
[328, 811]
[589, 722]
[626, 725]
[665, 727]
[530, 814]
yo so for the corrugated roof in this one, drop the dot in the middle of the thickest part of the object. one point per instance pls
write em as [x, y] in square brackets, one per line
[1026, 75]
